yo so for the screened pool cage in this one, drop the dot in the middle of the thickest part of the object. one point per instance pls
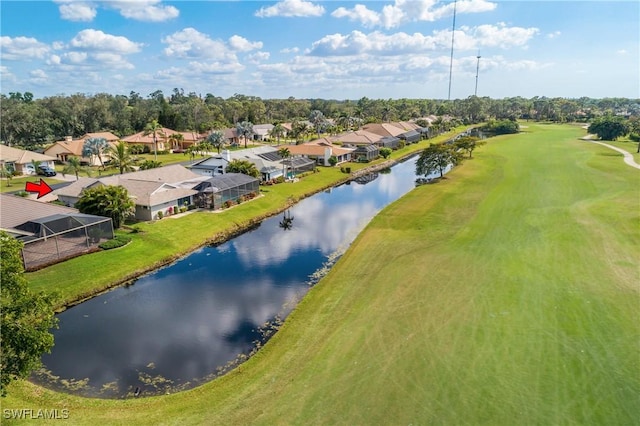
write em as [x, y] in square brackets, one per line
[224, 190]
[61, 236]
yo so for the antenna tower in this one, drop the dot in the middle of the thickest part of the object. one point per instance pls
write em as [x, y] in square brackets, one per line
[453, 33]
[475, 93]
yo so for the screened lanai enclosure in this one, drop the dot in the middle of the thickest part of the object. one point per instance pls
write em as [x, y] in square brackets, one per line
[225, 190]
[53, 238]
[51, 233]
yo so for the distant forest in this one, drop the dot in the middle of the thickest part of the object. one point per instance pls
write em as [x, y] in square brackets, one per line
[31, 123]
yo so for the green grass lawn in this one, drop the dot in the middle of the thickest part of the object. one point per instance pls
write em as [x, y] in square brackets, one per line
[505, 294]
[18, 183]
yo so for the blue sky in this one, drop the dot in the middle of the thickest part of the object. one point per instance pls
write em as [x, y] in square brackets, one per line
[331, 50]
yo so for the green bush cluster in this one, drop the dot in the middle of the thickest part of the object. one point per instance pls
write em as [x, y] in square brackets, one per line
[117, 241]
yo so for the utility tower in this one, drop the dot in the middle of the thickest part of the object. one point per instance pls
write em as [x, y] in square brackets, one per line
[475, 93]
[453, 33]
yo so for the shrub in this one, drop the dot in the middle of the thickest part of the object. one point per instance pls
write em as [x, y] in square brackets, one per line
[117, 241]
[160, 215]
[183, 209]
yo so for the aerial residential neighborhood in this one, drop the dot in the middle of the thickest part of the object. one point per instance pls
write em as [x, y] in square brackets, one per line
[301, 212]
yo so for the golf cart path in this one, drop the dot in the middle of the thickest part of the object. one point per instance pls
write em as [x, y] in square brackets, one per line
[628, 158]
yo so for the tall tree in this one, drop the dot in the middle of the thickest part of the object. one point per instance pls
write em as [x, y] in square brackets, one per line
[95, 148]
[468, 143]
[609, 127]
[318, 121]
[27, 318]
[121, 157]
[277, 132]
[107, 200]
[154, 128]
[284, 153]
[245, 129]
[436, 158]
[216, 139]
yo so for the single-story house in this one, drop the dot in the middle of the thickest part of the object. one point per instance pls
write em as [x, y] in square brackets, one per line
[384, 129]
[51, 233]
[18, 159]
[166, 139]
[163, 189]
[230, 188]
[70, 147]
[358, 137]
[262, 132]
[266, 159]
[321, 151]
[231, 136]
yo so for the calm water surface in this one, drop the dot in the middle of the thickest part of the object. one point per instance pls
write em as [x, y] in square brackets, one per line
[176, 327]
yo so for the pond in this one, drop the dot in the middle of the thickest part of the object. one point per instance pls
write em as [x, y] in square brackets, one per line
[190, 321]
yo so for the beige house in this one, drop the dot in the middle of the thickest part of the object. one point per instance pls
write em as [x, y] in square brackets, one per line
[166, 139]
[70, 147]
[321, 151]
[163, 189]
[21, 160]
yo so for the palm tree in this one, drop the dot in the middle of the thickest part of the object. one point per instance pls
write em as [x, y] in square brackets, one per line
[216, 139]
[154, 128]
[95, 147]
[243, 166]
[277, 132]
[318, 120]
[244, 129]
[284, 153]
[120, 157]
[74, 166]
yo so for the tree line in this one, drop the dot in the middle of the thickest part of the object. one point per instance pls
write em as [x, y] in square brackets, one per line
[31, 123]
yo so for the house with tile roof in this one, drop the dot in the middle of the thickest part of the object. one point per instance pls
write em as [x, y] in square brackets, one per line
[163, 189]
[321, 150]
[18, 159]
[70, 147]
[166, 139]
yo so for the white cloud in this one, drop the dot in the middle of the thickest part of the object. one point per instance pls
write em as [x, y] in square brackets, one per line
[38, 76]
[74, 57]
[622, 52]
[258, 57]
[6, 74]
[403, 11]
[499, 36]
[22, 48]
[243, 45]
[145, 10]
[290, 50]
[190, 43]
[291, 8]
[77, 10]
[379, 43]
[96, 40]
[140, 10]
[359, 13]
